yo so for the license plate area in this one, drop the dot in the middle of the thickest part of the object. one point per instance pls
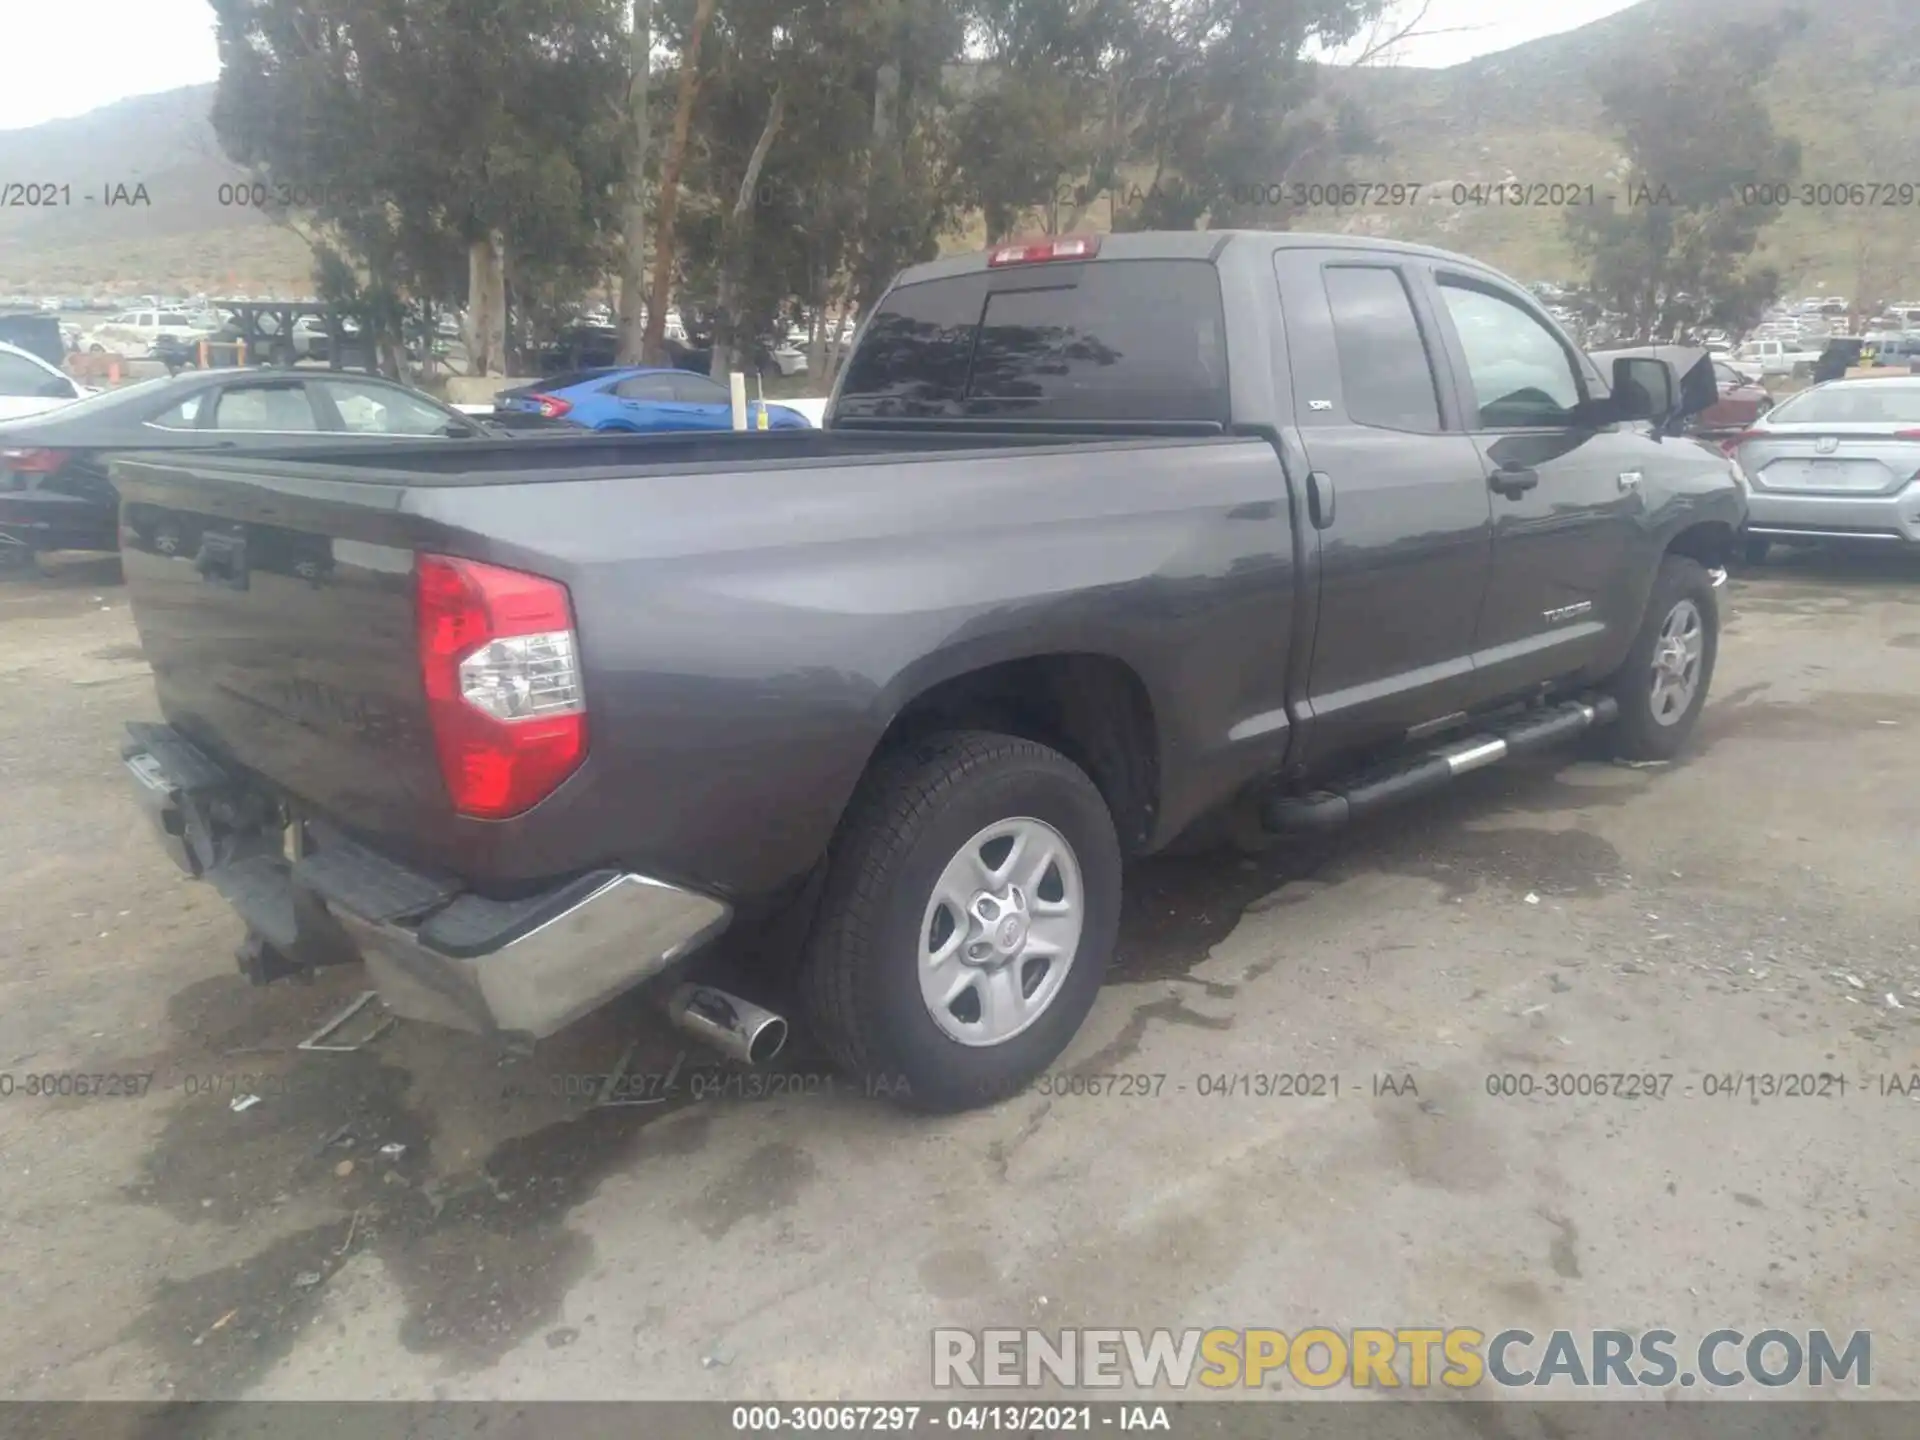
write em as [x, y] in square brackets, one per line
[149, 773]
[1830, 477]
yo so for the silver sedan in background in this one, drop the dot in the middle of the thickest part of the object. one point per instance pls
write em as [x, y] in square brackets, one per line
[1838, 462]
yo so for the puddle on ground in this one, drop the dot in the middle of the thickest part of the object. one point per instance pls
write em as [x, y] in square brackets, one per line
[1177, 908]
[1170, 1010]
[762, 1184]
[1520, 859]
[478, 1246]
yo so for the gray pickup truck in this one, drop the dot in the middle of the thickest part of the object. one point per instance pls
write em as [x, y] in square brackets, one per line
[1104, 540]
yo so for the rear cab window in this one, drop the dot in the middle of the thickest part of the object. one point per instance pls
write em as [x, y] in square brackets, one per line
[1100, 340]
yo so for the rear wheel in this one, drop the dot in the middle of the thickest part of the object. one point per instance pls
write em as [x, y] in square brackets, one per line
[971, 908]
[1662, 686]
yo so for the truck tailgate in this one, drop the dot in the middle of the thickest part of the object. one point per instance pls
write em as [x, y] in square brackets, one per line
[279, 622]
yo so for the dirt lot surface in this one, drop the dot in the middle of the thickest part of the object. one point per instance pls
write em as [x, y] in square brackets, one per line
[1748, 911]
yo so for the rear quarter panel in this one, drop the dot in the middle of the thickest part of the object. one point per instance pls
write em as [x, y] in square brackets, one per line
[748, 635]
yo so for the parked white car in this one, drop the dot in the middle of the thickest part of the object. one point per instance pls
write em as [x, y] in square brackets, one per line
[136, 332]
[30, 386]
[814, 409]
[791, 359]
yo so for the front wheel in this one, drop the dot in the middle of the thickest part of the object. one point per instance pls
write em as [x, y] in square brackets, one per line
[1662, 686]
[1755, 549]
[972, 902]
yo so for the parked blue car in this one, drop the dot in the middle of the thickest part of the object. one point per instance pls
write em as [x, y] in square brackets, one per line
[638, 399]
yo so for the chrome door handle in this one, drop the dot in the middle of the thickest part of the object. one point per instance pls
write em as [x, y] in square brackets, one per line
[1629, 479]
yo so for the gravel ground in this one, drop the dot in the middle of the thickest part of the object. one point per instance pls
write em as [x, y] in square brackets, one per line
[1748, 910]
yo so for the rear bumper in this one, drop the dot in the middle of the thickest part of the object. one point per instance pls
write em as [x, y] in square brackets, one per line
[45, 521]
[1891, 519]
[435, 951]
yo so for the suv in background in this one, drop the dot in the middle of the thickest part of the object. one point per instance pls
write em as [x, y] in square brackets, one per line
[1896, 352]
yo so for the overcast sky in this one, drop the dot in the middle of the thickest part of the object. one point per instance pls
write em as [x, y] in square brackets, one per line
[66, 57]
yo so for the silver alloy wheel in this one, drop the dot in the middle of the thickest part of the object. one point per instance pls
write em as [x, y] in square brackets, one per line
[1677, 657]
[1000, 931]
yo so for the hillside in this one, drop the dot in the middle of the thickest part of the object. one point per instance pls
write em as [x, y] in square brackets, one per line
[1848, 87]
[182, 238]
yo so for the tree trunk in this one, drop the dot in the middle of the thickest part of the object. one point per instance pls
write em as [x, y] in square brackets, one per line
[835, 347]
[633, 253]
[733, 240]
[654, 346]
[884, 166]
[817, 332]
[487, 305]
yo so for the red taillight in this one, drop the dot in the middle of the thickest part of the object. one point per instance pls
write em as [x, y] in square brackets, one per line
[500, 658]
[1906, 434]
[1069, 247]
[551, 406]
[32, 461]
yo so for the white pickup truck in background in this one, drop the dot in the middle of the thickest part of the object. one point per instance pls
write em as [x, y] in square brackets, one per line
[1772, 357]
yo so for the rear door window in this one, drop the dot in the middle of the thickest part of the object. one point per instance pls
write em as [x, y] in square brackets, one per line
[368, 408]
[645, 387]
[264, 407]
[1385, 371]
[699, 390]
[1105, 340]
[183, 416]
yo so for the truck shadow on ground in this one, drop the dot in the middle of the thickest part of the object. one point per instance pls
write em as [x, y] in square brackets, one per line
[453, 1166]
[1178, 908]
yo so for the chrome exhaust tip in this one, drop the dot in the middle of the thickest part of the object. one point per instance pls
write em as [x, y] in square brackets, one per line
[737, 1028]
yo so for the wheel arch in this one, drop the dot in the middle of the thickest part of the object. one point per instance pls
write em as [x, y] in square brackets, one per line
[1091, 707]
[1711, 542]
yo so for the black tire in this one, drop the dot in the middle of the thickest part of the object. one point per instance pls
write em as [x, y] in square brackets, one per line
[1639, 734]
[1754, 549]
[914, 812]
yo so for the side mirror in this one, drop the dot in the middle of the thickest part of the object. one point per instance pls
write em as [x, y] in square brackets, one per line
[1643, 389]
[459, 430]
[58, 388]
